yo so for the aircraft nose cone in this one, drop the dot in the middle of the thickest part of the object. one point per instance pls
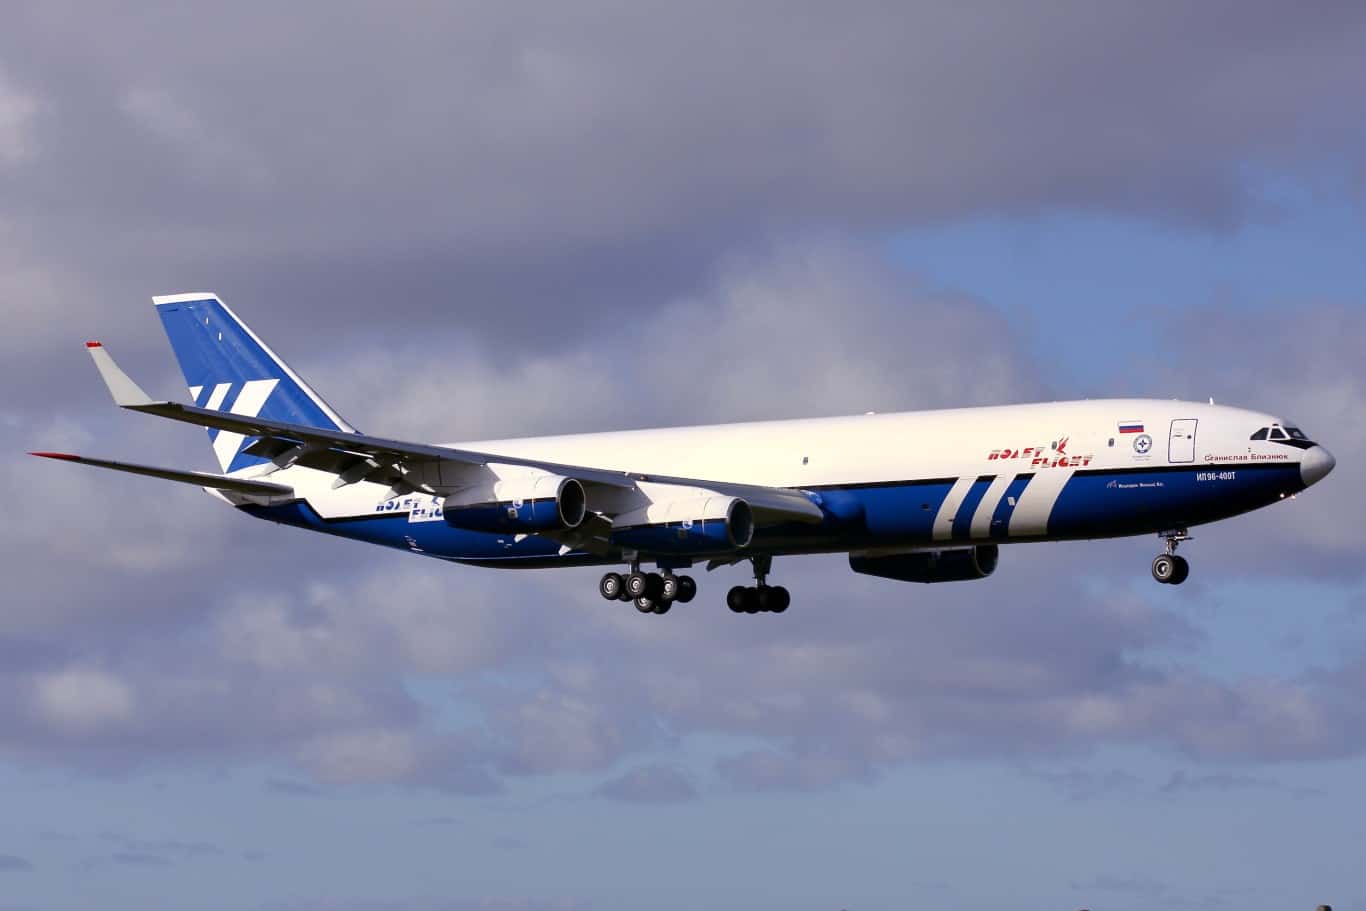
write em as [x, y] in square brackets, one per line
[1316, 464]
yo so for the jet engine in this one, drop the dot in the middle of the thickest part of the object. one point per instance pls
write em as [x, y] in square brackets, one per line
[692, 525]
[525, 502]
[956, 564]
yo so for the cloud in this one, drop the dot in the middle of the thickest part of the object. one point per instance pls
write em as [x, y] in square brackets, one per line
[82, 701]
[651, 784]
[17, 110]
[11, 864]
[567, 174]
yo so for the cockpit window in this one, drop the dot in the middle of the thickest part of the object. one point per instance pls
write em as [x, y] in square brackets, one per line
[1296, 433]
[1260, 434]
[1277, 434]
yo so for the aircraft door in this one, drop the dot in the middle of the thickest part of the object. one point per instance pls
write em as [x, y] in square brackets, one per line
[1181, 446]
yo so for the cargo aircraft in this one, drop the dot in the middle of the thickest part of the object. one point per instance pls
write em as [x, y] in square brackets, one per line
[927, 496]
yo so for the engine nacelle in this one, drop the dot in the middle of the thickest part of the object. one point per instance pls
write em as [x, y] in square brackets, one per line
[522, 502]
[957, 564]
[692, 525]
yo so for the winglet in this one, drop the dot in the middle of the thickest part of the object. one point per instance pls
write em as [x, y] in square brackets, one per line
[126, 393]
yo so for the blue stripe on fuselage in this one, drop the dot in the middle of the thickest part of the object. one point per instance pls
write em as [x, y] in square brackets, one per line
[1000, 519]
[962, 520]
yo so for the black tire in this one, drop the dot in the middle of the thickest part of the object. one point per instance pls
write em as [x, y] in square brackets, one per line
[766, 599]
[1164, 568]
[735, 599]
[670, 588]
[687, 589]
[1183, 571]
[655, 585]
[637, 585]
[611, 586]
[662, 607]
[779, 599]
[645, 604]
[752, 605]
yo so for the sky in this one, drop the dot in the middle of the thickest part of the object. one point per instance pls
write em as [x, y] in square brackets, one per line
[477, 220]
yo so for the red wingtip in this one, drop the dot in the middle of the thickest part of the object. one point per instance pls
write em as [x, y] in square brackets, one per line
[55, 455]
[93, 345]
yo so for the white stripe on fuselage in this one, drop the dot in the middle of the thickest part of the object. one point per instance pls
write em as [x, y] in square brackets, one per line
[943, 520]
[1030, 517]
[981, 519]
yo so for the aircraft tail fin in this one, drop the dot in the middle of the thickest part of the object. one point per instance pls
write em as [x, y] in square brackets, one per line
[228, 368]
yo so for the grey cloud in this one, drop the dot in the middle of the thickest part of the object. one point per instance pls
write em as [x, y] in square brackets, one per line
[651, 784]
[17, 111]
[509, 165]
[10, 863]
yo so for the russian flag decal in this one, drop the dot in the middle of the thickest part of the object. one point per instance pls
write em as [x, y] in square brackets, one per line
[1131, 428]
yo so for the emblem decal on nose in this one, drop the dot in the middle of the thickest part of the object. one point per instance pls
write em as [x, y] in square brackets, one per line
[1142, 443]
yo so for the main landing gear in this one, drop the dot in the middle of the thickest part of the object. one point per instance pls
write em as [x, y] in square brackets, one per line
[760, 597]
[1168, 568]
[652, 593]
[656, 593]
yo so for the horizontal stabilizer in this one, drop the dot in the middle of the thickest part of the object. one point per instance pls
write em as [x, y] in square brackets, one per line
[197, 478]
[126, 393]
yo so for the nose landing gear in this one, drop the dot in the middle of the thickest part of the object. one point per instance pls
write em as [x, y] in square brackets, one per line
[1168, 568]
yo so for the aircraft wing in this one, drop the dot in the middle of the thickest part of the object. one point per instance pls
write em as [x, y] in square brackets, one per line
[197, 478]
[409, 467]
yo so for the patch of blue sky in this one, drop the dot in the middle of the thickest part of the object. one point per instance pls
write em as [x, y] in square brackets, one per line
[1089, 291]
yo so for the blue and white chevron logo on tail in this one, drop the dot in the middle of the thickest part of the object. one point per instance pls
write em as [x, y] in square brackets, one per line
[250, 399]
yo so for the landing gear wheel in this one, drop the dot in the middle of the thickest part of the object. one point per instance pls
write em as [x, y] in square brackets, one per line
[1165, 568]
[751, 601]
[735, 599]
[687, 589]
[669, 588]
[637, 585]
[778, 599]
[645, 604]
[662, 607]
[611, 586]
[1183, 570]
[654, 585]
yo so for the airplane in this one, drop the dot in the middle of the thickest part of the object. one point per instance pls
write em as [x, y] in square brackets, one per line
[927, 496]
